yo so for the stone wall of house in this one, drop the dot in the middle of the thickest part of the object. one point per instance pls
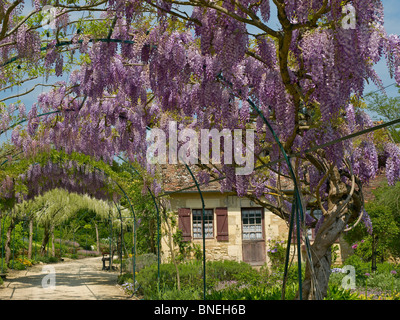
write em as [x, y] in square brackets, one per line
[275, 228]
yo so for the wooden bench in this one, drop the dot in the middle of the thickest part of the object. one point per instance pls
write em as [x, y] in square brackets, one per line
[109, 258]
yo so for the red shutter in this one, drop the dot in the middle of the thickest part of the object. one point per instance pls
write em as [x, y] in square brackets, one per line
[184, 223]
[222, 224]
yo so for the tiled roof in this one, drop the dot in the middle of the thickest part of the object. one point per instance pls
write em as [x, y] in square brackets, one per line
[177, 177]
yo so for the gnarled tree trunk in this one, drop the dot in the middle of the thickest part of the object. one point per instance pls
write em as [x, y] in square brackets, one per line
[45, 240]
[344, 202]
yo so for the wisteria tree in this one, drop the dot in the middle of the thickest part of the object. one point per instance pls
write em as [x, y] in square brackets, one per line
[211, 65]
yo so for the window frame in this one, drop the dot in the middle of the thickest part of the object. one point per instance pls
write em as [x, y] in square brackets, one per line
[262, 225]
[199, 212]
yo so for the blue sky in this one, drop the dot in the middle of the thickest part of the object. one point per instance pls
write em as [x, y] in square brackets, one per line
[392, 26]
[392, 14]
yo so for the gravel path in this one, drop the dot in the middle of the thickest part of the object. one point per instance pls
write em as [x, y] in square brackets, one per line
[80, 279]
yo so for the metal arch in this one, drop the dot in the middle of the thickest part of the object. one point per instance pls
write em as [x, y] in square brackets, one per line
[132, 211]
[130, 204]
[13, 240]
[203, 225]
[122, 237]
[158, 222]
[2, 220]
[296, 206]
[134, 228]
[203, 229]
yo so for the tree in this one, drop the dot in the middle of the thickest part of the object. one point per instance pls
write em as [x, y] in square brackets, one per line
[384, 234]
[218, 65]
[386, 109]
[388, 198]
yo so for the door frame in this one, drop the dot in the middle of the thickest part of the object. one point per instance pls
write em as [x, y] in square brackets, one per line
[263, 240]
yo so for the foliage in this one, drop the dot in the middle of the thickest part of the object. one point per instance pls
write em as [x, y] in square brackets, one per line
[183, 294]
[185, 248]
[361, 266]
[46, 259]
[145, 260]
[386, 226]
[387, 109]
[18, 234]
[191, 275]
[336, 292]
[254, 293]
[225, 280]
[276, 252]
[16, 265]
[144, 208]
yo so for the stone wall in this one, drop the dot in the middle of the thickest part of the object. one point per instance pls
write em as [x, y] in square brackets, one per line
[274, 227]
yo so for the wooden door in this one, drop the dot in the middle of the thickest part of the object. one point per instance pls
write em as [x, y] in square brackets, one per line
[253, 240]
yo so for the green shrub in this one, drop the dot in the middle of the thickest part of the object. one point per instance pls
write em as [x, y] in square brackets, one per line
[47, 259]
[361, 267]
[53, 259]
[125, 277]
[145, 260]
[384, 281]
[253, 293]
[191, 275]
[16, 265]
[277, 252]
[174, 294]
[3, 267]
[336, 278]
[228, 270]
[387, 267]
[336, 292]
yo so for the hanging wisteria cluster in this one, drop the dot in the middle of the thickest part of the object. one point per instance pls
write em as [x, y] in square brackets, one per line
[69, 175]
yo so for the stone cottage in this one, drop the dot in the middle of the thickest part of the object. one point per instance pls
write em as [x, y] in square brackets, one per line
[235, 228]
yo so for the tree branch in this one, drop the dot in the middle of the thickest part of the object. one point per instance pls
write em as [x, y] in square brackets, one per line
[7, 17]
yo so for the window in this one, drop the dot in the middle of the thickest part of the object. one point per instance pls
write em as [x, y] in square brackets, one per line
[252, 224]
[208, 223]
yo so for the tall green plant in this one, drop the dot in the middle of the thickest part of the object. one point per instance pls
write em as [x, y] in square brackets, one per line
[385, 219]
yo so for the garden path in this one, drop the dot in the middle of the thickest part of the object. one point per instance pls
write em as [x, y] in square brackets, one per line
[80, 279]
